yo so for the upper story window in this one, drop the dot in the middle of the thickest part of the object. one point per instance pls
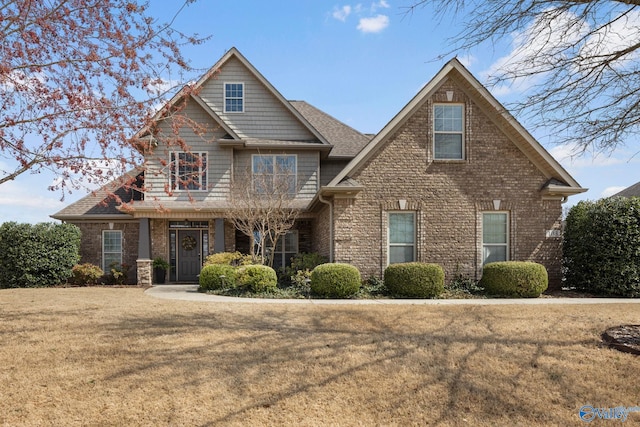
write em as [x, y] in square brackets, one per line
[234, 97]
[448, 135]
[274, 173]
[188, 171]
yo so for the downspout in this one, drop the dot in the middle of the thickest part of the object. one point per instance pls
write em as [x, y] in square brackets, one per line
[328, 203]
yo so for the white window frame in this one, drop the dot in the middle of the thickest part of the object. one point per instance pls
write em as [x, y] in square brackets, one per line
[280, 249]
[274, 174]
[225, 97]
[415, 235]
[449, 132]
[174, 166]
[106, 267]
[507, 244]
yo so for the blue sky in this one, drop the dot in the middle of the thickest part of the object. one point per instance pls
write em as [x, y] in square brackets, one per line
[358, 61]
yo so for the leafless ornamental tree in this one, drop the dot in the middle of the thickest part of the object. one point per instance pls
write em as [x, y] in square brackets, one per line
[262, 203]
[579, 59]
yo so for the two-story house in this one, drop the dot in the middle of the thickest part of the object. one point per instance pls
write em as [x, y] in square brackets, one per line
[453, 179]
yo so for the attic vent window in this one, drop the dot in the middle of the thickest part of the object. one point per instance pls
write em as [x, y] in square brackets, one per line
[234, 97]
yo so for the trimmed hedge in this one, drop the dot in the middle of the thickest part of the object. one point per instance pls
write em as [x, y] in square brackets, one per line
[258, 278]
[335, 280]
[37, 255]
[414, 279]
[210, 276]
[519, 279]
[602, 247]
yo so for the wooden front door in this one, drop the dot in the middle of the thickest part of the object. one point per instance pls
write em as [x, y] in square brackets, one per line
[189, 255]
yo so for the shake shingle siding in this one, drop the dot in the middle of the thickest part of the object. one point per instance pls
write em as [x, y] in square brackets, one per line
[264, 117]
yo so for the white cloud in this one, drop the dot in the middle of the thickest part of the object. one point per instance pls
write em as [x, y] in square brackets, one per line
[467, 60]
[374, 24]
[572, 157]
[610, 191]
[619, 34]
[382, 4]
[342, 13]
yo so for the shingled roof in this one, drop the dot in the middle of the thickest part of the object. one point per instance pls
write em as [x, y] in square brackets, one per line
[346, 141]
[104, 203]
[632, 191]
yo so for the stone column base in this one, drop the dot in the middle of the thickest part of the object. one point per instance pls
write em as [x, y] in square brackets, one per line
[145, 272]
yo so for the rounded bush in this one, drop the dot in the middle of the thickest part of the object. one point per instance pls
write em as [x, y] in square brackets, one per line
[518, 279]
[414, 279]
[86, 274]
[258, 278]
[217, 276]
[228, 258]
[335, 280]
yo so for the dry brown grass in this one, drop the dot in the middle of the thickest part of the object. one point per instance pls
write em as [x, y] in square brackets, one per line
[99, 356]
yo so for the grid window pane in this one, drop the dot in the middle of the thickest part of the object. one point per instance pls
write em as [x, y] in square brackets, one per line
[111, 249]
[189, 171]
[234, 97]
[495, 235]
[448, 132]
[274, 174]
[402, 235]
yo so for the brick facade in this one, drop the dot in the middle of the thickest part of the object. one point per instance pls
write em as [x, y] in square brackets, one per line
[448, 198]
[91, 243]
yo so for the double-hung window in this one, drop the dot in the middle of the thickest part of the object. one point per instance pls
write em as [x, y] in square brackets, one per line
[402, 237]
[495, 237]
[188, 171]
[274, 174]
[448, 132]
[111, 249]
[234, 97]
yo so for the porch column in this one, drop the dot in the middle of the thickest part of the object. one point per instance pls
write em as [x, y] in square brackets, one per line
[144, 262]
[218, 243]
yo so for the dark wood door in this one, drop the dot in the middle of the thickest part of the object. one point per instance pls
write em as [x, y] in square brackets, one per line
[189, 247]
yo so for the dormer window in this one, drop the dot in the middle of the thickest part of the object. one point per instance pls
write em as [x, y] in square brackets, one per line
[234, 97]
[448, 134]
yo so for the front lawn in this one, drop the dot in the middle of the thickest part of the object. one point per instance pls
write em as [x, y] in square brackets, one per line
[104, 356]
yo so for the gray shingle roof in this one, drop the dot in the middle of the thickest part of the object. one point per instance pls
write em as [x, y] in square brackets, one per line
[632, 191]
[105, 201]
[346, 141]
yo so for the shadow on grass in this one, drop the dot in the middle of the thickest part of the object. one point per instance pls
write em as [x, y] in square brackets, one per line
[448, 365]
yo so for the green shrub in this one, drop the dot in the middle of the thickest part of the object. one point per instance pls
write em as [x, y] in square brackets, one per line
[299, 263]
[335, 280]
[217, 276]
[517, 279]
[228, 258]
[257, 278]
[86, 274]
[37, 255]
[602, 247]
[414, 279]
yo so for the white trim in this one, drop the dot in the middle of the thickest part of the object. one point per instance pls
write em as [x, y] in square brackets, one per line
[173, 170]
[241, 98]
[105, 267]
[415, 234]
[507, 245]
[461, 132]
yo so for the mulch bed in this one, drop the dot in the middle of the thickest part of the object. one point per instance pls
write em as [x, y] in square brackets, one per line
[623, 338]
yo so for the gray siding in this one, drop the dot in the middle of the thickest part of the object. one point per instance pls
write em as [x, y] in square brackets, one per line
[264, 115]
[218, 161]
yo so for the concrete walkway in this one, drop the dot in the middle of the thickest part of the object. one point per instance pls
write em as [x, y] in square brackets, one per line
[190, 293]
